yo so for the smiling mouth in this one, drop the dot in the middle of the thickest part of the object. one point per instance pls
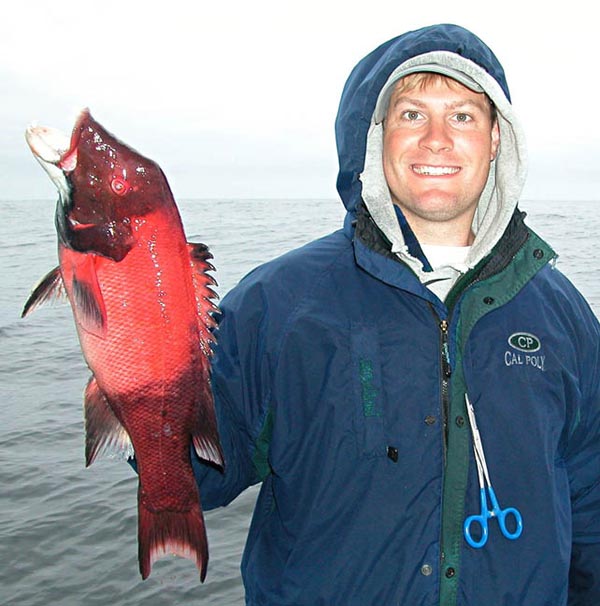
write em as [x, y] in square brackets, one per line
[434, 171]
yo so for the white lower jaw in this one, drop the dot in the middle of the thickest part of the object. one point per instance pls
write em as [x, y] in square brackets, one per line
[48, 145]
[435, 171]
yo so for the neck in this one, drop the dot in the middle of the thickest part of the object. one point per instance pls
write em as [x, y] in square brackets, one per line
[456, 232]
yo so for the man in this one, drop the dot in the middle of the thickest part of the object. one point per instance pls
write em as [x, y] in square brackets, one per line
[343, 368]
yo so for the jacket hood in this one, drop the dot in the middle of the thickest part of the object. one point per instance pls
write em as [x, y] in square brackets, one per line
[451, 50]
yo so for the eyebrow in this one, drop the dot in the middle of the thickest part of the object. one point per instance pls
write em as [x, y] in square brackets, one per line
[454, 105]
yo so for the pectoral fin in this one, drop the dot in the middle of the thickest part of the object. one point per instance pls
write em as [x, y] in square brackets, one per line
[88, 303]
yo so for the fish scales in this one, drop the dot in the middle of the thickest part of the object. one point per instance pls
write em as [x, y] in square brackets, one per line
[142, 303]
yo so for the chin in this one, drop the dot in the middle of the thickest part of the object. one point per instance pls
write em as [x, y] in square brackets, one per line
[439, 207]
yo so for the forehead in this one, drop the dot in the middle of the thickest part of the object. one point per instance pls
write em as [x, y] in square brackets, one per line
[426, 87]
[421, 80]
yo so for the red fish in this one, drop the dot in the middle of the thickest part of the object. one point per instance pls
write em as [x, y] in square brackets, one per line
[142, 302]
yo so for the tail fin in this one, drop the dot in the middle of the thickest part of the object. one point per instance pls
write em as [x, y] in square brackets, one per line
[168, 532]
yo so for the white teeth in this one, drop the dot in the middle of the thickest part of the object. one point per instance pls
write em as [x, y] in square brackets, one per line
[436, 170]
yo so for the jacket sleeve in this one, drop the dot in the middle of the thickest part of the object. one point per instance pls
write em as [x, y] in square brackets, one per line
[240, 385]
[584, 474]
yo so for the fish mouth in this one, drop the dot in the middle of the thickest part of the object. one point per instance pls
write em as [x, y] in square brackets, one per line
[427, 170]
[53, 146]
[56, 151]
[46, 143]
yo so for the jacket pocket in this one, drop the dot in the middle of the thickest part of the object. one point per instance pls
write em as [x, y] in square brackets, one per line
[368, 391]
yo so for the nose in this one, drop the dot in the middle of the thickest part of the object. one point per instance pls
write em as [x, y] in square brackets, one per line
[437, 137]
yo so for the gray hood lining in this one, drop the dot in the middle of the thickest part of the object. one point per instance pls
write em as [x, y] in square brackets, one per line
[505, 181]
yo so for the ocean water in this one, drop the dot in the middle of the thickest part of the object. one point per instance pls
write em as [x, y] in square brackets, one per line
[68, 535]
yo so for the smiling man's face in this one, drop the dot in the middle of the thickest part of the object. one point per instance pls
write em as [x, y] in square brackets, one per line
[438, 142]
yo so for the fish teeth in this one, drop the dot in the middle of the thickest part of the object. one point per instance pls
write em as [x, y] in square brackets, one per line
[436, 170]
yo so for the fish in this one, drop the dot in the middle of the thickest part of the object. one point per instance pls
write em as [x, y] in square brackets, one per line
[144, 307]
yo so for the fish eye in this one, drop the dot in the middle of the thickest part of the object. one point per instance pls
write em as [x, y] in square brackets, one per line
[119, 186]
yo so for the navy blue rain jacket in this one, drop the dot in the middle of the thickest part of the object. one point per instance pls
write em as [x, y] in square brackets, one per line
[340, 382]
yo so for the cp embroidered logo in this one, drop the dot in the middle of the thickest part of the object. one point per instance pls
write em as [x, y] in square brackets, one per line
[525, 351]
[524, 341]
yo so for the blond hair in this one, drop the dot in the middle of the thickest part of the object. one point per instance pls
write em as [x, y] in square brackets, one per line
[421, 80]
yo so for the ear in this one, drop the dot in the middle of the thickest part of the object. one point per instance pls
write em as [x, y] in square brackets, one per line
[495, 140]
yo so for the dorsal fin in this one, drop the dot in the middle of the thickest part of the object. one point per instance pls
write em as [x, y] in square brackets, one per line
[203, 283]
[50, 287]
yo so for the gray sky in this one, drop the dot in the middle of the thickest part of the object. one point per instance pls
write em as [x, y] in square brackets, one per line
[238, 98]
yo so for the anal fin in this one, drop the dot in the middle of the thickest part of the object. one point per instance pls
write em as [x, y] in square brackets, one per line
[103, 431]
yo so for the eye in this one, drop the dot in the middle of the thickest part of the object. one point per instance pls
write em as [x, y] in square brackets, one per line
[463, 118]
[119, 186]
[411, 115]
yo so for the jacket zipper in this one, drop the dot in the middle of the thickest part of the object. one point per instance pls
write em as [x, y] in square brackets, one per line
[443, 325]
[445, 383]
[446, 368]
[445, 360]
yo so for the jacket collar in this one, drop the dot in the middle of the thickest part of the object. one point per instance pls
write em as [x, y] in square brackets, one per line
[373, 252]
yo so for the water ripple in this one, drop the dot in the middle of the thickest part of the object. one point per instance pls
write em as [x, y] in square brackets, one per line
[68, 534]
